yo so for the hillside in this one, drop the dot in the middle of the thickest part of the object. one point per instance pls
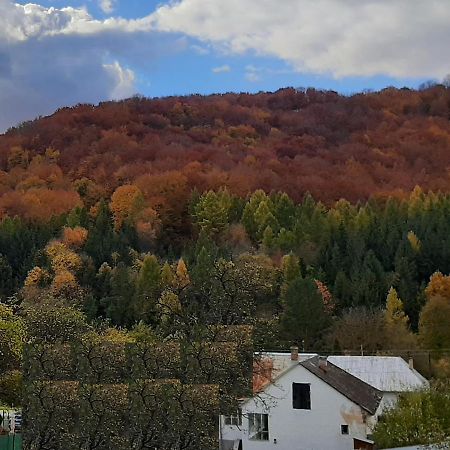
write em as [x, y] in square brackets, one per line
[152, 215]
[373, 144]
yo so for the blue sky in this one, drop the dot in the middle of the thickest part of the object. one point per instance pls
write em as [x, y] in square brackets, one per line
[190, 71]
[63, 52]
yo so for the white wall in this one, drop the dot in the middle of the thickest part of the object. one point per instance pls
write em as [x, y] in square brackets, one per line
[296, 429]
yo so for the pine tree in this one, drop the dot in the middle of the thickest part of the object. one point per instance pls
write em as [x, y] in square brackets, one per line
[268, 240]
[212, 211]
[7, 283]
[398, 335]
[119, 304]
[394, 313]
[304, 317]
[284, 210]
[148, 290]
[100, 243]
[167, 276]
[264, 218]
[182, 279]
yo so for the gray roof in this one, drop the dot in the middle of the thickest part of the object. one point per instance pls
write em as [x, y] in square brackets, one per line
[386, 373]
[348, 385]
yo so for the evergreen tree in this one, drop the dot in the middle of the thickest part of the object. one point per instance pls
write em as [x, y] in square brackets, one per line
[303, 319]
[264, 218]
[268, 240]
[148, 290]
[212, 210]
[284, 210]
[248, 216]
[100, 243]
[7, 282]
[119, 304]
[167, 276]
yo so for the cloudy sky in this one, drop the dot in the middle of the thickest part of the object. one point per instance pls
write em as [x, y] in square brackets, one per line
[64, 52]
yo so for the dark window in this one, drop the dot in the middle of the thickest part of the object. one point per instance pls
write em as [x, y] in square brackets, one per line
[344, 429]
[301, 396]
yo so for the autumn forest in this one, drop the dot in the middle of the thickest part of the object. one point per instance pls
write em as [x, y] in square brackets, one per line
[314, 218]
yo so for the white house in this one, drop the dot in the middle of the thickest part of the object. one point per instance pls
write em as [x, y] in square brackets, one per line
[306, 402]
[391, 375]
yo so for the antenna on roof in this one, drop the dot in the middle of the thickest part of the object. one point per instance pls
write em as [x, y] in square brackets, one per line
[362, 350]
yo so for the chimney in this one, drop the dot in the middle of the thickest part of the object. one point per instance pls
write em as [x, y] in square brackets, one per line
[411, 363]
[294, 353]
[323, 363]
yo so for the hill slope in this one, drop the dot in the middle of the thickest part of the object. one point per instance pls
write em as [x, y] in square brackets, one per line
[294, 141]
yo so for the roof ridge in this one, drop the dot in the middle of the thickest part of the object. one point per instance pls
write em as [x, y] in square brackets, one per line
[374, 395]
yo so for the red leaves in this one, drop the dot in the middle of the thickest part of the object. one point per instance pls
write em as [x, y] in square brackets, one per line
[291, 140]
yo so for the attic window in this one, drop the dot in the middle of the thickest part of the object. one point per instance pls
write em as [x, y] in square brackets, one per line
[301, 396]
[344, 429]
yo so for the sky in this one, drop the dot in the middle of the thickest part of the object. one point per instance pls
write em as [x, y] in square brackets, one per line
[57, 53]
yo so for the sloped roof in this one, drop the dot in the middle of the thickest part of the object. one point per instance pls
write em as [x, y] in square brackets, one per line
[356, 390]
[269, 366]
[386, 373]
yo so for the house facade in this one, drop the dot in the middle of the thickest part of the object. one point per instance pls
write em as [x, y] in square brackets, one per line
[306, 403]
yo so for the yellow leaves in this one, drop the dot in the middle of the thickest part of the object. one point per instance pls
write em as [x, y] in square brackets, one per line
[37, 277]
[6, 312]
[439, 286]
[62, 258]
[181, 275]
[64, 263]
[169, 304]
[52, 155]
[126, 203]
[18, 157]
[117, 336]
[74, 237]
[414, 241]
[167, 275]
[55, 248]
[63, 281]
[395, 314]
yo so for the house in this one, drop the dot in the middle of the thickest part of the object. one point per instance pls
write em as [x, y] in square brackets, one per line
[391, 375]
[308, 402]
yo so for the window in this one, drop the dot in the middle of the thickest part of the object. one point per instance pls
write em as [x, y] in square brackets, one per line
[301, 396]
[258, 427]
[344, 429]
[234, 419]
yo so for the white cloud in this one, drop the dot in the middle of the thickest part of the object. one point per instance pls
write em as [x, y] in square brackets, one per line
[401, 38]
[53, 57]
[107, 6]
[23, 22]
[199, 49]
[253, 74]
[222, 69]
[123, 79]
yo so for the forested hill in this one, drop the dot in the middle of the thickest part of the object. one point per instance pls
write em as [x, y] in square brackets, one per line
[200, 206]
[295, 141]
